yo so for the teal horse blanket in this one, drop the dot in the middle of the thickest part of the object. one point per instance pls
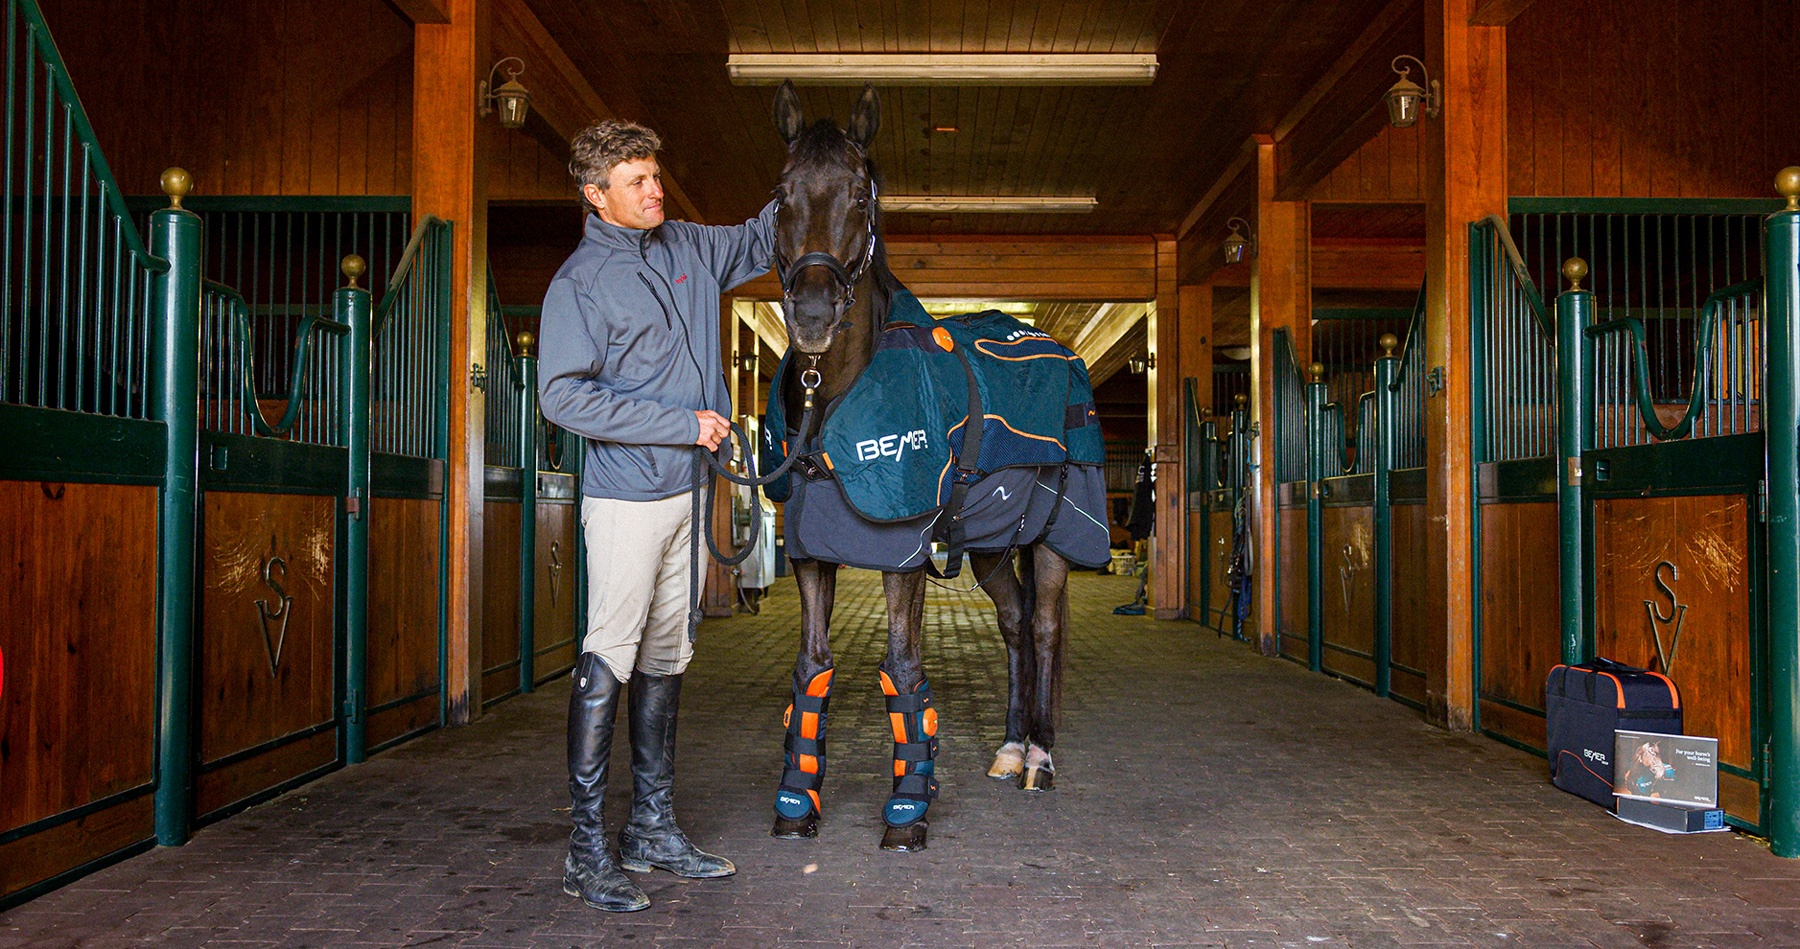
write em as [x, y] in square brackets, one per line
[894, 440]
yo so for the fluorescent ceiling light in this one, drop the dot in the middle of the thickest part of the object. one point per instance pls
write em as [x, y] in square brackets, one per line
[1023, 310]
[943, 69]
[983, 204]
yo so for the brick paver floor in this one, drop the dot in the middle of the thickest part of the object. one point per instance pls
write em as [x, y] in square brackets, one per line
[1205, 797]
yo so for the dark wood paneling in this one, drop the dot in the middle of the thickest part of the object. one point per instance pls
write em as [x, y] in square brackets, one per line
[1347, 613]
[1406, 651]
[500, 600]
[289, 98]
[1074, 268]
[1620, 98]
[78, 632]
[1520, 609]
[64, 847]
[267, 648]
[402, 720]
[221, 788]
[1706, 540]
[1388, 167]
[1293, 621]
[554, 606]
[403, 600]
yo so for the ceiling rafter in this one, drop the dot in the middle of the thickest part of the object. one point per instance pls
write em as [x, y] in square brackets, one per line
[560, 94]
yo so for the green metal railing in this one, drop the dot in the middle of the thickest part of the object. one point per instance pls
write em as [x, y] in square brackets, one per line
[311, 401]
[1290, 413]
[505, 388]
[76, 308]
[1653, 260]
[1407, 391]
[412, 348]
[1724, 390]
[1515, 344]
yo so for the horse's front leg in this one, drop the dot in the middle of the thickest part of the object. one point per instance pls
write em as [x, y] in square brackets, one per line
[909, 712]
[797, 803]
[1050, 578]
[1002, 587]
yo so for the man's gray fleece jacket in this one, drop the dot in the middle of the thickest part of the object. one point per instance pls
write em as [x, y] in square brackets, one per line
[630, 346]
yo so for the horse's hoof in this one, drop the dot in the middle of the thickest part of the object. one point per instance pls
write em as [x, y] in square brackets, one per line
[1008, 762]
[908, 839]
[1037, 779]
[805, 828]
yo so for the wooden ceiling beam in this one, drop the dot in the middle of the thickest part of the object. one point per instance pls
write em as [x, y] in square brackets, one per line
[560, 95]
[1497, 12]
[1105, 328]
[1343, 109]
[423, 11]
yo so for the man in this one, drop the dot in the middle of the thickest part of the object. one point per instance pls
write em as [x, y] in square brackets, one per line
[629, 360]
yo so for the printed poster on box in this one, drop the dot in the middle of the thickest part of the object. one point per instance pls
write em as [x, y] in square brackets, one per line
[1674, 769]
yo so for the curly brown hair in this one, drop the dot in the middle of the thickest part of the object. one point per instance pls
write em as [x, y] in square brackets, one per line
[597, 149]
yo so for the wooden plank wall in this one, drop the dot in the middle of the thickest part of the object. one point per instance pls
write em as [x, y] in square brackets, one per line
[403, 616]
[1388, 167]
[1520, 634]
[225, 90]
[1651, 98]
[1347, 607]
[1100, 269]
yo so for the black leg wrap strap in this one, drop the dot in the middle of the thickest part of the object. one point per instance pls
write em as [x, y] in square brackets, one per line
[816, 704]
[916, 787]
[917, 750]
[793, 779]
[913, 702]
[794, 744]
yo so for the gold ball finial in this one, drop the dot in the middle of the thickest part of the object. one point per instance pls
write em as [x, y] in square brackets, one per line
[1787, 184]
[1388, 342]
[1240, 400]
[1318, 371]
[1575, 270]
[525, 340]
[353, 267]
[176, 183]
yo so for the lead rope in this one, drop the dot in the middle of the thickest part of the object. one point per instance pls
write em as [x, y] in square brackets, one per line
[702, 510]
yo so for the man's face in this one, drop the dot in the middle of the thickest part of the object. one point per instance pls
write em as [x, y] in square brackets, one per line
[633, 197]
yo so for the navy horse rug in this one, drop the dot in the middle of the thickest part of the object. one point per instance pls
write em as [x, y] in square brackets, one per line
[892, 470]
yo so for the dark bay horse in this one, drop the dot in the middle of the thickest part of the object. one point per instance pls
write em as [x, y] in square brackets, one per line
[838, 290]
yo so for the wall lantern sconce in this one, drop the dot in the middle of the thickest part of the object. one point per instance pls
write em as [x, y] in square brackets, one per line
[512, 99]
[1237, 245]
[1405, 97]
[1137, 364]
[747, 361]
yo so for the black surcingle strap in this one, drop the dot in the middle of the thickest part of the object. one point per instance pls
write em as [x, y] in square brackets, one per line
[967, 471]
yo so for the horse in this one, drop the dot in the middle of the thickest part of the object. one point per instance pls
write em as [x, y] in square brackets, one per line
[838, 292]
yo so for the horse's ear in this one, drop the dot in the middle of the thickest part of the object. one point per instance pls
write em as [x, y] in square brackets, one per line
[866, 117]
[790, 118]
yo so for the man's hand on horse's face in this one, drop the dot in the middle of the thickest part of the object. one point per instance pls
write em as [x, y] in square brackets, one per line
[713, 429]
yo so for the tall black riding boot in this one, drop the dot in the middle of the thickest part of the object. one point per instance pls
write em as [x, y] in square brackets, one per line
[650, 838]
[590, 871]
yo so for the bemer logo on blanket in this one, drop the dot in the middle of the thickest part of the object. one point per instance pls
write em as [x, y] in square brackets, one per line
[891, 446]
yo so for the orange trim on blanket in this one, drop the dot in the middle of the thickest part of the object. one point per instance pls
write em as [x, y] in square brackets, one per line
[982, 344]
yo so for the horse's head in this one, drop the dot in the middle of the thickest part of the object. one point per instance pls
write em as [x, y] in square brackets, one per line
[829, 218]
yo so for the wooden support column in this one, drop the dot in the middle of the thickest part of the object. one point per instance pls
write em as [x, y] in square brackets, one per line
[1465, 180]
[1280, 298]
[1169, 570]
[450, 181]
[1196, 346]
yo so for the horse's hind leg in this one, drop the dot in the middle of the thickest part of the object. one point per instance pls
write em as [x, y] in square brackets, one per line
[1050, 580]
[909, 711]
[797, 803]
[1010, 608]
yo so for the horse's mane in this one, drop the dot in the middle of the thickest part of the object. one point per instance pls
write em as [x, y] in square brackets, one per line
[823, 146]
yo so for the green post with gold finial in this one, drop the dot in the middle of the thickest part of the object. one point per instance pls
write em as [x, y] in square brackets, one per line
[175, 400]
[1315, 517]
[528, 478]
[1575, 432]
[1781, 315]
[353, 309]
[1387, 416]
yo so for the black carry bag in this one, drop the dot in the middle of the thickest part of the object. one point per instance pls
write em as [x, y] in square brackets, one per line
[1585, 704]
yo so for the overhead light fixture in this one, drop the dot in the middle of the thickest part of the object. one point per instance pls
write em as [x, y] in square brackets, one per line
[512, 99]
[943, 69]
[983, 204]
[1239, 353]
[1237, 244]
[1405, 97]
[945, 128]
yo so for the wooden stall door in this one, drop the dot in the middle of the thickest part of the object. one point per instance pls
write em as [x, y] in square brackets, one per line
[404, 674]
[266, 649]
[1290, 534]
[500, 600]
[555, 607]
[1218, 565]
[1406, 650]
[78, 703]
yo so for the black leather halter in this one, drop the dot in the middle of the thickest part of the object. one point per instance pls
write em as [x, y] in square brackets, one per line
[847, 279]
